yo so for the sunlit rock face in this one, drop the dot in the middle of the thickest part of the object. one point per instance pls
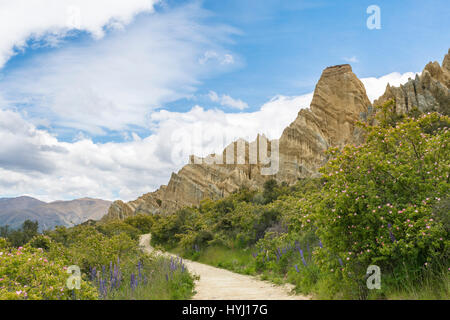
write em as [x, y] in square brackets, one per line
[339, 101]
[429, 91]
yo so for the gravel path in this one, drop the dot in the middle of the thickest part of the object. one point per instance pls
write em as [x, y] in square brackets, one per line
[220, 284]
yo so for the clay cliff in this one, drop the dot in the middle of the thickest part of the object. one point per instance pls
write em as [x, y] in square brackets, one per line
[339, 100]
[429, 91]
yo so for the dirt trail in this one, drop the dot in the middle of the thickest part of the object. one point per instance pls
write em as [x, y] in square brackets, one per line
[220, 284]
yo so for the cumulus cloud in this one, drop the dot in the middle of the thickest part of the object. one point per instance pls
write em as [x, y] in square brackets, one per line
[115, 83]
[226, 100]
[48, 21]
[35, 163]
[375, 87]
[64, 170]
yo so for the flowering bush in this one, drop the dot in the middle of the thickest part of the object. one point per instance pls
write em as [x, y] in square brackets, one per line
[26, 273]
[379, 199]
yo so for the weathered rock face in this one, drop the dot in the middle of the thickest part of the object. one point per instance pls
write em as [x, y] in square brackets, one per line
[339, 100]
[428, 92]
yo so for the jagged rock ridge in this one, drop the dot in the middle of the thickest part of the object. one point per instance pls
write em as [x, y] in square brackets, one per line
[339, 101]
[429, 91]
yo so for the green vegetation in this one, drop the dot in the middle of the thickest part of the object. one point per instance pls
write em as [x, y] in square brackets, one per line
[20, 236]
[383, 203]
[111, 262]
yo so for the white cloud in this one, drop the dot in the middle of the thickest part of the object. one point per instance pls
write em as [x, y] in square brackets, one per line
[213, 56]
[35, 163]
[226, 100]
[115, 83]
[375, 87]
[50, 169]
[49, 21]
[352, 59]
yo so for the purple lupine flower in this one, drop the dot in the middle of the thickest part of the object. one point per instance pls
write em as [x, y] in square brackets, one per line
[340, 262]
[303, 258]
[103, 289]
[254, 255]
[139, 269]
[93, 273]
[296, 268]
[132, 282]
[320, 244]
[391, 235]
[167, 277]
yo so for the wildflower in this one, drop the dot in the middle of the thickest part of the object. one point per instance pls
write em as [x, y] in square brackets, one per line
[132, 281]
[320, 244]
[303, 258]
[139, 269]
[391, 235]
[296, 268]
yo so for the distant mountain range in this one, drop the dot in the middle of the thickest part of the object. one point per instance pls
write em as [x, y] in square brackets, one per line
[14, 211]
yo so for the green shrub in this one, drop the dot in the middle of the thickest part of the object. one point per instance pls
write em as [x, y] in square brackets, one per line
[378, 200]
[28, 273]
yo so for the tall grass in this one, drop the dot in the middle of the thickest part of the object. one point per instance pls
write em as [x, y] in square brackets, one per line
[236, 260]
[425, 283]
[155, 278]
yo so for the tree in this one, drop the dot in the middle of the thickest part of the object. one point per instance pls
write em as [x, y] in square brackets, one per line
[24, 234]
[270, 190]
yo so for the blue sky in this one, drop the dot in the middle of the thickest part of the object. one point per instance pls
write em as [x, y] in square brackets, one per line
[286, 44]
[92, 101]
